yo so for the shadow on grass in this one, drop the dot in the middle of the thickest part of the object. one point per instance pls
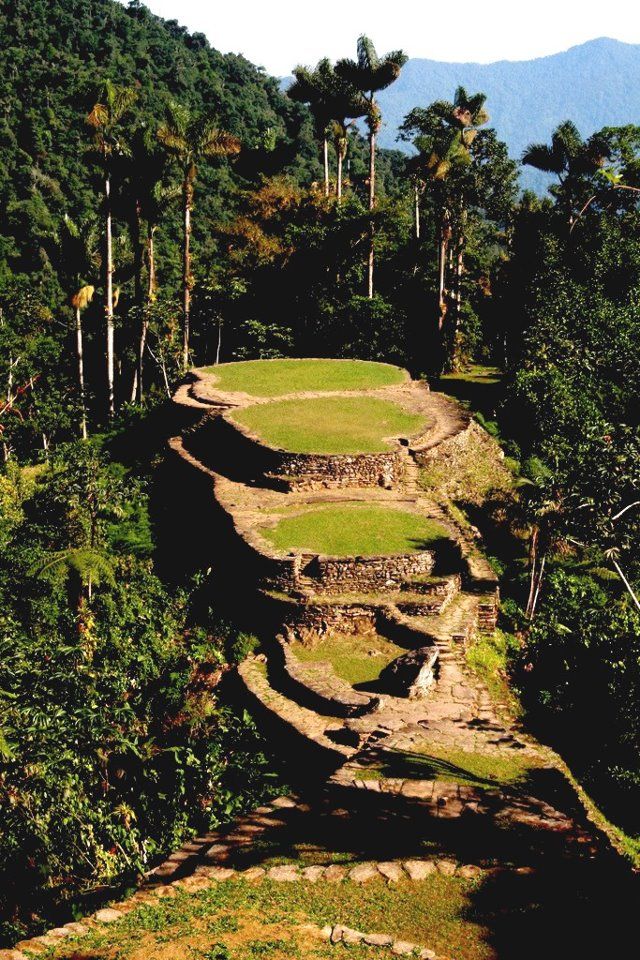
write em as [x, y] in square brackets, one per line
[572, 909]
[480, 388]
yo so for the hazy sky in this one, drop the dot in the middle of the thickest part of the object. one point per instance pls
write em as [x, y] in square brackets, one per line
[277, 34]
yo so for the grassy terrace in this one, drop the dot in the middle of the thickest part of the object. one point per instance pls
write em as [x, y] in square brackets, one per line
[355, 530]
[456, 766]
[330, 424]
[357, 658]
[241, 921]
[274, 378]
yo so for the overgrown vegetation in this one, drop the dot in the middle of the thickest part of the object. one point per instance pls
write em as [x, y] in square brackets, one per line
[115, 740]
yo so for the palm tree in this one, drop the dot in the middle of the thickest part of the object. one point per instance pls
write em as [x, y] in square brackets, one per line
[189, 139]
[105, 119]
[314, 87]
[443, 134]
[149, 200]
[369, 74]
[79, 259]
[571, 159]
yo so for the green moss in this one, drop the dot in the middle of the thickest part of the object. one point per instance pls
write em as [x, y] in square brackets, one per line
[355, 530]
[357, 658]
[274, 378]
[330, 424]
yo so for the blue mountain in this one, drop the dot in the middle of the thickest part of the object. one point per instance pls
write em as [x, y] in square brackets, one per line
[595, 84]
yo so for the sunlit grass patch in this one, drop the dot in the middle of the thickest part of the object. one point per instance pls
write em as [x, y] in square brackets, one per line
[337, 425]
[274, 378]
[356, 530]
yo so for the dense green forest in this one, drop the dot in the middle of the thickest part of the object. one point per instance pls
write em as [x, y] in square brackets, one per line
[114, 744]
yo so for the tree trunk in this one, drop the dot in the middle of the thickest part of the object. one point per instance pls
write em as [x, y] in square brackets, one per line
[151, 295]
[219, 346]
[339, 180]
[372, 203]
[109, 300]
[443, 249]
[325, 151]
[416, 197]
[186, 273]
[80, 356]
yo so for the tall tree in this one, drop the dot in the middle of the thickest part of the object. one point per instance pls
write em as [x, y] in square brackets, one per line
[465, 169]
[105, 119]
[78, 262]
[314, 87]
[147, 203]
[573, 160]
[369, 74]
[189, 139]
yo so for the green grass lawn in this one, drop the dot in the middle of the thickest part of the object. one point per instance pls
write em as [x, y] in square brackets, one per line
[241, 921]
[435, 762]
[348, 530]
[273, 378]
[357, 658]
[330, 424]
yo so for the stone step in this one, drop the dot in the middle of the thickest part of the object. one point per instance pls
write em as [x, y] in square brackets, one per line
[318, 740]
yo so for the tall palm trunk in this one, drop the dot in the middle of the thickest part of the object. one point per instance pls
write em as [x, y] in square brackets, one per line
[443, 252]
[151, 295]
[339, 179]
[325, 152]
[109, 298]
[80, 358]
[416, 202]
[186, 271]
[136, 237]
[372, 203]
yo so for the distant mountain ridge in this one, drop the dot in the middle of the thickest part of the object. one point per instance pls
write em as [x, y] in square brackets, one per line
[595, 84]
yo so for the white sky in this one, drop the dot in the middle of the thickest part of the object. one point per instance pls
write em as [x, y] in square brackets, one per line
[278, 34]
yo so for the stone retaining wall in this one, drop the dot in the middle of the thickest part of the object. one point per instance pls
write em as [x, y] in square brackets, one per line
[354, 574]
[253, 460]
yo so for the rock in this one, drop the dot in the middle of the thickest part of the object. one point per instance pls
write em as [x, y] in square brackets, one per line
[469, 871]
[418, 789]
[351, 936]
[392, 871]
[336, 933]
[363, 873]
[335, 873]
[313, 874]
[107, 915]
[402, 948]
[426, 954]
[325, 933]
[412, 674]
[419, 869]
[12, 955]
[164, 891]
[220, 873]
[378, 939]
[77, 929]
[446, 867]
[285, 803]
[285, 874]
[253, 873]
